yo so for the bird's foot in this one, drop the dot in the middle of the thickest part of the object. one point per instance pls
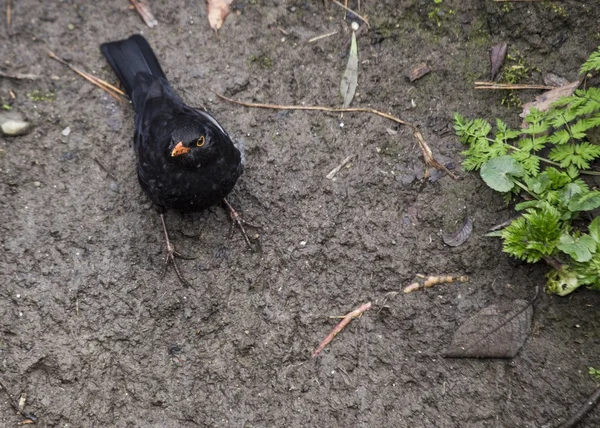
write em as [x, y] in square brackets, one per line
[236, 219]
[171, 255]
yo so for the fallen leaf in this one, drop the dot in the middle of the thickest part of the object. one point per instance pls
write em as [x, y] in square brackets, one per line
[218, 10]
[497, 56]
[497, 331]
[460, 236]
[350, 77]
[418, 72]
[143, 8]
[544, 101]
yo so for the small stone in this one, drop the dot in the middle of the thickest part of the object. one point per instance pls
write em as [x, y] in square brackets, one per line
[354, 26]
[15, 127]
[54, 77]
[66, 156]
[70, 26]
[115, 187]
[66, 131]
[37, 184]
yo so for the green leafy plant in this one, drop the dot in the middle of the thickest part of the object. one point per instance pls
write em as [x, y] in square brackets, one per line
[542, 163]
[595, 373]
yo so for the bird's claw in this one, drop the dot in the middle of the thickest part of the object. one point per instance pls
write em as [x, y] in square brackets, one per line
[236, 219]
[170, 257]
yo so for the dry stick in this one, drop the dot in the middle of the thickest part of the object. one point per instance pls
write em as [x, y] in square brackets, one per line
[335, 170]
[112, 90]
[19, 76]
[314, 39]
[504, 86]
[343, 323]
[15, 405]
[9, 16]
[589, 404]
[351, 11]
[427, 154]
[143, 9]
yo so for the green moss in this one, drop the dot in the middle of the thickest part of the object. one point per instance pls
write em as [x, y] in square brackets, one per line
[556, 8]
[262, 60]
[516, 70]
[438, 13]
[479, 35]
[39, 96]
[385, 26]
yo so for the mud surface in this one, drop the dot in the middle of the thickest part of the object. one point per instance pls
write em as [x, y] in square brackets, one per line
[95, 337]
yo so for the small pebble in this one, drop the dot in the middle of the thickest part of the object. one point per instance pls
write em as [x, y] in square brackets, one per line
[355, 26]
[115, 187]
[37, 184]
[70, 26]
[15, 127]
[66, 131]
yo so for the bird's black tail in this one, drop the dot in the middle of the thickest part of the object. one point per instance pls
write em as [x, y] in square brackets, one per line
[130, 57]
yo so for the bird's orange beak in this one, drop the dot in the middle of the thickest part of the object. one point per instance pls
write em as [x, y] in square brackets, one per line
[180, 149]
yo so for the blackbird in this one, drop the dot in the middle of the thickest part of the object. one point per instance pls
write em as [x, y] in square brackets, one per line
[185, 159]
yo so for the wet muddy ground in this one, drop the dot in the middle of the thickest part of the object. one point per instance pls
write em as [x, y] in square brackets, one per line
[95, 337]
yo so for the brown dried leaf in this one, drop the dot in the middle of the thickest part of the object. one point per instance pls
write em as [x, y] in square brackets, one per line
[544, 102]
[459, 237]
[143, 8]
[498, 331]
[218, 10]
[418, 72]
[497, 56]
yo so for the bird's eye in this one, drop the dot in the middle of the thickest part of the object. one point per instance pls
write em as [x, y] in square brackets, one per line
[200, 141]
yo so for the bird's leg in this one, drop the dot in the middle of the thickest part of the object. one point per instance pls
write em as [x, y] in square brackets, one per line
[171, 254]
[236, 219]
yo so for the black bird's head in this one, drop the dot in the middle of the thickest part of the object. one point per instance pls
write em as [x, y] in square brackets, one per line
[197, 143]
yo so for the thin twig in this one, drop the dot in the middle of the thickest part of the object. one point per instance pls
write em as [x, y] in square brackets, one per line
[345, 321]
[112, 90]
[430, 160]
[105, 169]
[503, 224]
[509, 86]
[19, 76]
[314, 39]
[9, 17]
[15, 406]
[351, 11]
[427, 153]
[585, 408]
[335, 170]
[143, 9]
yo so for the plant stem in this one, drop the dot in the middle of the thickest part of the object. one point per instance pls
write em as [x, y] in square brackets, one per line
[522, 186]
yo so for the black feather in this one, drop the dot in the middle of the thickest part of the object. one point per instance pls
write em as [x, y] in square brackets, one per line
[131, 57]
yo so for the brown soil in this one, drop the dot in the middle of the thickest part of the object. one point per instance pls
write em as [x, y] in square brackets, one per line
[95, 337]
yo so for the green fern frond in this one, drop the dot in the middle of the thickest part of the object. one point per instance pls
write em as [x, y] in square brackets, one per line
[592, 63]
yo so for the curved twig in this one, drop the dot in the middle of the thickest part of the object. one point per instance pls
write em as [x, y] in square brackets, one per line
[430, 160]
